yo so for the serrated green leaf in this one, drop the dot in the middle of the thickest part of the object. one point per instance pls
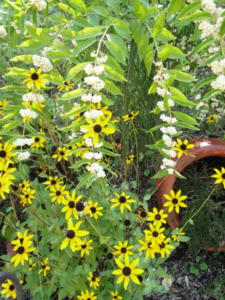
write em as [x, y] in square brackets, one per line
[170, 51]
[165, 35]
[81, 46]
[202, 83]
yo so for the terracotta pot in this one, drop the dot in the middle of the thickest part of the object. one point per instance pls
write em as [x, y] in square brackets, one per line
[204, 147]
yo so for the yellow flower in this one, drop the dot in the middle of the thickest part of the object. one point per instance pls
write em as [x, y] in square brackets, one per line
[155, 233]
[93, 279]
[23, 238]
[31, 264]
[123, 250]
[141, 213]
[38, 142]
[130, 159]
[58, 194]
[130, 116]
[6, 154]
[3, 104]
[66, 86]
[212, 118]
[93, 209]
[182, 147]
[165, 248]
[157, 216]
[24, 185]
[53, 182]
[22, 249]
[122, 201]
[116, 296]
[96, 127]
[35, 80]
[84, 247]
[73, 235]
[9, 289]
[27, 197]
[61, 154]
[176, 237]
[5, 184]
[73, 205]
[174, 201]
[149, 248]
[220, 176]
[127, 271]
[44, 267]
[86, 295]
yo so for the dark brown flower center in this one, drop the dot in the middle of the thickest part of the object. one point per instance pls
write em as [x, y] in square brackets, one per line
[93, 209]
[93, 278]
[20, 250]
[130, 115]
[53, 182]
[183, 147]
[84, 246]
[61, 153]
[174, 201]
[71, 204]
[143, 214]
[223, 175]
[126, 271]
[58, 193]
[70, 234]
[97, 128]
[162, 245]
[37, 139]
[122, 199]
[155, 233]
[34, 76]
[79, 206]
[2, 153]
[12, 287]
[157, 217]
[126, 222]
[123, 249]
[43, 267]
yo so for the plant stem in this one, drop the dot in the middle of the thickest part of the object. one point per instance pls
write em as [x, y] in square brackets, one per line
[200, 208]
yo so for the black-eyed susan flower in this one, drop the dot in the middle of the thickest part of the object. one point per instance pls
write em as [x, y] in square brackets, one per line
[6, 154]
[23, 238]
[27, 196]
[73, 235]
[122, 201]
[182, 147]
[165, 247]
[116, 296]
[62, 153]
[123, 249]
[35, 80]
[130, 116]
[31, 264]
[58, 194]
[38, 142]
[130, 159]
[93, 209]
[93, 280]
[8, 289]
[220, 176]
[45, 267]
[96, 127]
[177, 235]
[84, 246]
[25, 184]
[5, 184]
[86, 295]
[53, 182]
[174, 201]
[212, 118]
[127, 271]
[117, 144]
[155, 233]
[22, 250]
[157, 216]
[73, 205]
[149, 248]
[141, 213]
[66, 86]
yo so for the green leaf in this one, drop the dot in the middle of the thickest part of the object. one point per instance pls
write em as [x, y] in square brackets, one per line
[139, 11]
[170, 51]
[80, 163]
[189, 9]
[211, 59]
[112, 74]
[210, 94]
[81, 46]
[201, 46]
[75, 70]
[117, 47]
[222, 28]
[185, 118]
[203, 266]
[160, 174]
[202, 83]
[86, 181]
[55, 77]
[27, 59]
[196, 16]
[121, 27]
[89, 32]
[72, 94]
[181, 76]
[165, 35]
[77, 4]
[112, 88]
[159, 24]
[175, 6]
[180, 98]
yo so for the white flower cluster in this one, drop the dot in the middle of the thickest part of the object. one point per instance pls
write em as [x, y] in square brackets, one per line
[23, 142]
[42, 62]
[89, 143]
[3, 32]
[218, 67]
[210, 30]
[219, 83]
[213, 49]
[168, 119]
[23, 155]
[98, 59]
[91, 98]
[96, 169]
[93, 155]
[95, 82]
[28, 113]
[161, 105]
[93, 114]
[169, 130]
[45, 51]
[210, 7]
[32, 97]
[91, 69]
[39, 4]
[161, 75]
